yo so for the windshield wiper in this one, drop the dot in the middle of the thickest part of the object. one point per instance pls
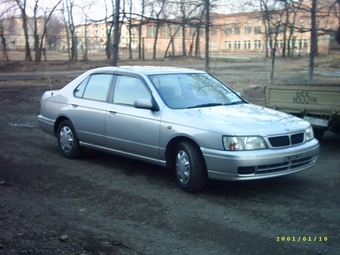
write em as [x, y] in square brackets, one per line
[236, 102]
[205, 105]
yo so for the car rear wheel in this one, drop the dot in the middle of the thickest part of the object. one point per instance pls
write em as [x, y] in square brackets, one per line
[67, 140]
[191, 171]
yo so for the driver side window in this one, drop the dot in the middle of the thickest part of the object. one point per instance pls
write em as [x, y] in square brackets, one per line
[128, 89]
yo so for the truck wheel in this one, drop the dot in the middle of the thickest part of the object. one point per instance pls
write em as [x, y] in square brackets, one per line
[318, 132]
[191, 171]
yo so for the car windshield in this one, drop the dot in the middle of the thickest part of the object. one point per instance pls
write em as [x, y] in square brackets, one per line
[191, 90]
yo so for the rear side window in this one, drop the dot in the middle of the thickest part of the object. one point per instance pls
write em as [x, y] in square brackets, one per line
[95, 87]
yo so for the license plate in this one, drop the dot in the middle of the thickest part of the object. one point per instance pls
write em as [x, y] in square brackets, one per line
[316, 121]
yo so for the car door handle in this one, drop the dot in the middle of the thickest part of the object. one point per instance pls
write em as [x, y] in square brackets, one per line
[114, 111]
[74, 104]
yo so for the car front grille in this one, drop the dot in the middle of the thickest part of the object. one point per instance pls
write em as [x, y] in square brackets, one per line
[289, 165]
[286, 140]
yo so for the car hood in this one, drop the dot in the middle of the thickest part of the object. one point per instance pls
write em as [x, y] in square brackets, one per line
[241, 119]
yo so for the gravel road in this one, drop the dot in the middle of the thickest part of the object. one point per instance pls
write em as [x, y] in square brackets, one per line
[103, 204]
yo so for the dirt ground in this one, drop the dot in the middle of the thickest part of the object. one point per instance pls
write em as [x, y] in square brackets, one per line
[103, 204]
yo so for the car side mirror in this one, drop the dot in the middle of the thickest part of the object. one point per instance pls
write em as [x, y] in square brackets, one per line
[146, 103]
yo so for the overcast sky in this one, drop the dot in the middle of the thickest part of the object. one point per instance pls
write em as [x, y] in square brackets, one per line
[95, 9]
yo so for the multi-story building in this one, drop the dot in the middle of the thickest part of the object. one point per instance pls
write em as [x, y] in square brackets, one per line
[241, 32]
[249, 33]
[12, 30]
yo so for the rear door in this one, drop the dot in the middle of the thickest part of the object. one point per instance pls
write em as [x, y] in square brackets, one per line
[88, 108]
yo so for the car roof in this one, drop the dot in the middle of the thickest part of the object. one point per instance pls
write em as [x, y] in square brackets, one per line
[149, 70]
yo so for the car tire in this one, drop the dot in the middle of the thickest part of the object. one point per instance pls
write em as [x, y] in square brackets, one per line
[319, 132]
[190, 167]
[68, 141]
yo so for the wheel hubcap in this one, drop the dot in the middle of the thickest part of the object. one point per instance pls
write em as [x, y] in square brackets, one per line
[183, 167]
[66, 139]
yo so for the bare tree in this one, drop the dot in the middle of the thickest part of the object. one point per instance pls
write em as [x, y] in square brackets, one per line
[116, 38]
[3, 43]
[85, 10]
[70, 27]
[109, 22]
[313, 45]
[207, 34]
[171, 41]
[130, 27]
[158, 7]
[319, 14]
[39, 40]
[53, 28]
[140, 30]
[22, 4]
[273, 20]
[8, 6]
[335, 8]
[188, 11]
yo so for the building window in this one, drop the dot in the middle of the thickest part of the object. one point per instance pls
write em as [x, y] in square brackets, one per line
[237, 45]
[214, 46]
[302, 27]
[303, 43]
[280, 28]
[193, 31]
[228, 30]
[247, 45]
[257, 44]
[213, 31]
[247, 30]
[279, 44]
[150, 31]
[257, 30]
[177, 30]
[165, 31]
[186, 30]
[237, 30]
[228, 45]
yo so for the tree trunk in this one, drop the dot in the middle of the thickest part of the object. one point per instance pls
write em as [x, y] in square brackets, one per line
[116, 35]
[155, 42]
[28, 56]
[207, 32]
[184, 51]
[4, 46]
[313, 44]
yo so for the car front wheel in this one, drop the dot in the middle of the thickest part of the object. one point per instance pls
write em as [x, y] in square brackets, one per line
[319, 132]
[67, 140]
[191, 171]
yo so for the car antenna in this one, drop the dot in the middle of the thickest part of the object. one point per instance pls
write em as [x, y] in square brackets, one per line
[48, 75]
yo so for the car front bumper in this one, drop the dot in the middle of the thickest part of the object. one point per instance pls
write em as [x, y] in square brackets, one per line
[260, 164]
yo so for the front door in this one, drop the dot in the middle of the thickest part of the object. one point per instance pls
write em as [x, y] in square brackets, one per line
[131, 130]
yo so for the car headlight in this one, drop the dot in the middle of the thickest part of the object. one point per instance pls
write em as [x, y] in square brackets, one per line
[236, 143]
[309, 134]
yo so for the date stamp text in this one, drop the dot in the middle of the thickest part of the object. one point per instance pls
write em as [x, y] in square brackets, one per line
[311, 239]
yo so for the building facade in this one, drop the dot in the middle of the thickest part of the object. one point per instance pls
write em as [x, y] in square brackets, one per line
[238, 33]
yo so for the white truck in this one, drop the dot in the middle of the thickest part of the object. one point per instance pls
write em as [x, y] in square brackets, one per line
[318, 104]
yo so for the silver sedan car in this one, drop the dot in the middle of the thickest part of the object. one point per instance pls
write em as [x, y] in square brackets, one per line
[183, 119]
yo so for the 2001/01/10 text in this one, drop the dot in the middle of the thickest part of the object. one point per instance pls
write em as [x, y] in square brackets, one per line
[301, 238]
